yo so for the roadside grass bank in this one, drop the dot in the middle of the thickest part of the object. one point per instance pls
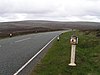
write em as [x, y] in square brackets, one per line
[56, 61]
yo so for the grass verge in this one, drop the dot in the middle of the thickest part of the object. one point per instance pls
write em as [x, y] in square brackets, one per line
[57, 59]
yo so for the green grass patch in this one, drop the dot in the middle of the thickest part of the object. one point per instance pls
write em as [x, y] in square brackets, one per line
[57, 59]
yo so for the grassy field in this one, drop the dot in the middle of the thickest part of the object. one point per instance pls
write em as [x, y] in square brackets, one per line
[57, 59]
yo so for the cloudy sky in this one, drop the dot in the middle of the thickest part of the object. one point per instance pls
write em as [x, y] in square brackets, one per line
[56, 10]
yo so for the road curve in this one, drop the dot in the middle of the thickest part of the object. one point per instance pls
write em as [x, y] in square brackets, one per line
[16, 51]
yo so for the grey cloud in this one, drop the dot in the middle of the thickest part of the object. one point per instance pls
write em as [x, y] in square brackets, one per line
[24, 6]
[50, 9]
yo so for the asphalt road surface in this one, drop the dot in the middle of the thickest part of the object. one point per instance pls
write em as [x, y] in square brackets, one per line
[16, 51]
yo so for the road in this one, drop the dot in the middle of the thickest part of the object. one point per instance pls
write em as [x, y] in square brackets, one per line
[16, 51]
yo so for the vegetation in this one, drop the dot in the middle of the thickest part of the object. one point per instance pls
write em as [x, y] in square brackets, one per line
[57, 59]
[16, 32]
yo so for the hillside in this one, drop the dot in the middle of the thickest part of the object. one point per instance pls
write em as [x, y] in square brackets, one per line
[49, 24]
[31, 26]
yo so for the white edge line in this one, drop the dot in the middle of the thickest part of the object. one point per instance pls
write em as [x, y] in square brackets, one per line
[33, 57]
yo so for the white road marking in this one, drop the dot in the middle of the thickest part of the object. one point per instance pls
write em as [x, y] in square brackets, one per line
[22, 40]
[33, 57]
[0, 45]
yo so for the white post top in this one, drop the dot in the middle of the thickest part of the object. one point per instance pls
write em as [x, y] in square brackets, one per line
[74, 40]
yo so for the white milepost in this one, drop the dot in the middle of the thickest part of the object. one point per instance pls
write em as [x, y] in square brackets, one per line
[74, 42]
[58, 38]
[10, 35]
[72, 61]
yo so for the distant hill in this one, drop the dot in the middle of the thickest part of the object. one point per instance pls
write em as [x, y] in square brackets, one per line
[34, 26]
[49, 24]
[42, 25]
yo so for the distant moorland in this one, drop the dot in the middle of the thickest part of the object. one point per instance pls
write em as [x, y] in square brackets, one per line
[34, 26]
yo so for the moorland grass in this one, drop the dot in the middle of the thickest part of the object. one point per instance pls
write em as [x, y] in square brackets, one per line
[57, 59]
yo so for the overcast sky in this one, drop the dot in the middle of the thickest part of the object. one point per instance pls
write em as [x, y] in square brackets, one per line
[56, 10]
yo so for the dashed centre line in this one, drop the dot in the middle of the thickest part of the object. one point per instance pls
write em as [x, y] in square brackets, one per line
[22, 40]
